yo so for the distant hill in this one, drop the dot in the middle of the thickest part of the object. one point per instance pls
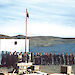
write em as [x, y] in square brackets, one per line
[49, 41]
[4, 36]
[41, 40]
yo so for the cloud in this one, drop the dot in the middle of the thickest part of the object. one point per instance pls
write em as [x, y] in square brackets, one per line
[37, 29]
[5, 1]
[50, 29]
[47, 17]
[13, 28]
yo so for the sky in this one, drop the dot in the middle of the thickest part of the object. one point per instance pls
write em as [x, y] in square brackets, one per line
[46, 17]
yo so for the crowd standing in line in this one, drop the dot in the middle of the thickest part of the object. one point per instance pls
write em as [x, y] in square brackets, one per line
[11, 59]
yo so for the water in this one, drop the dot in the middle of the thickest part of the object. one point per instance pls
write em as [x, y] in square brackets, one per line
[58, 48]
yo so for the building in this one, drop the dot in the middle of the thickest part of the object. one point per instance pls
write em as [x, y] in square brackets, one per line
[15, 43]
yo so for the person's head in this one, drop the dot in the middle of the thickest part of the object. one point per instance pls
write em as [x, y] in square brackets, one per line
[43, 53]
[66, 54]
[6, 52]
[40, 54]
[70, 54]
[29, 53]
[46, 53]
[50, 53]
[17, 53]
[35, 53]
[9, 52]
[20, 53]
[54, 53]
[2, 52]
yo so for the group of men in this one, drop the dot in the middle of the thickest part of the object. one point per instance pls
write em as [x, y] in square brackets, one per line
[10, 59]
[63, 59]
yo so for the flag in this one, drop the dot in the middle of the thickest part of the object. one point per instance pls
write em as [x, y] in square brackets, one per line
[27, 15]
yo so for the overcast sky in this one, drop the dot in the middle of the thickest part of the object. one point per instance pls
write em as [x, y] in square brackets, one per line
[46, 17]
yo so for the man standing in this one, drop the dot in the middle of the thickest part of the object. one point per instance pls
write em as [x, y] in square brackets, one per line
[54, 56]
[27, 58]
[50, 58]
[58, 58]
[62, 58]
[24, 57]
[32, 57]
[9, 60]
[70, 59]
[3, 59]
[20, 57]
[66, 58]
[73, 59]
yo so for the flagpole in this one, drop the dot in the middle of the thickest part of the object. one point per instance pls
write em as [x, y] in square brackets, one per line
[26, 33]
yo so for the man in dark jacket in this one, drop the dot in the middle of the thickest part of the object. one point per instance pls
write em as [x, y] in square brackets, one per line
[27, 58]
[70, 59]
[50, 58]
[66, 58]
[54, 56]
[58, 58]
[73, 62]
[9, 60]
[15, 59]
[24, 58]
[3, 59]
[32, 57]
[46, 58]
[62, 58]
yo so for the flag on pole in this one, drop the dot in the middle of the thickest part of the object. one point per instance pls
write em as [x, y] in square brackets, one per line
[27, 15]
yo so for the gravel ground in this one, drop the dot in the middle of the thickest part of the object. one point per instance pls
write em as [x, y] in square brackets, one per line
[43, 68]
[53, 68]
